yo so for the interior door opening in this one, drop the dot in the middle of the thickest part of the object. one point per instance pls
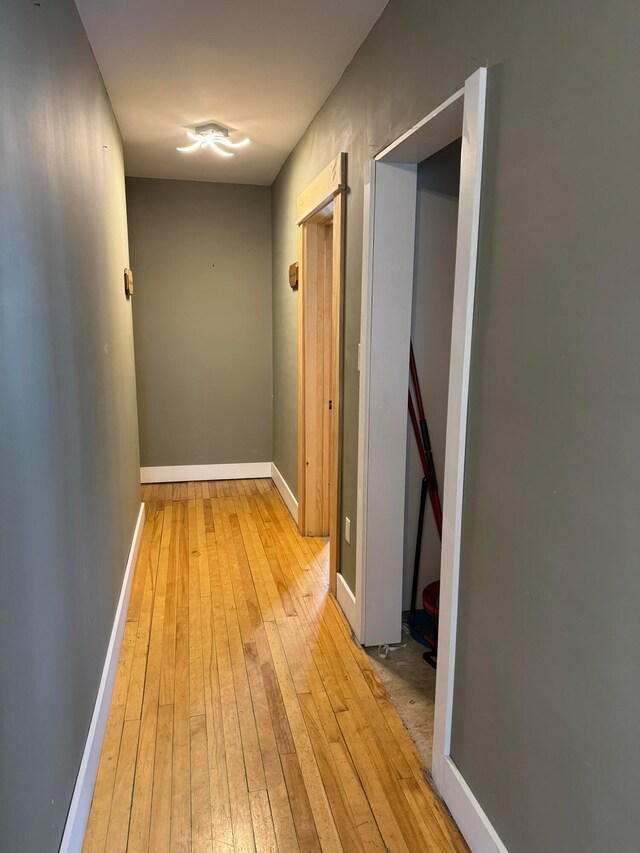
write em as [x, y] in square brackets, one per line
[320, 259]
[387, 301]
[432, 313]
[409, 679]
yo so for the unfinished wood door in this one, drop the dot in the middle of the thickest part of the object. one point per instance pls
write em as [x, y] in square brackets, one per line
[316, 374]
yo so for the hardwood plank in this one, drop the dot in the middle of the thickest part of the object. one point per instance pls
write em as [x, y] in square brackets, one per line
[208, 517]
[340, 808]
[423, 817]
[181, 753]
[200, 792]
[182, 556]
[278, 590]
[282, 730]
[150, 535]
[160, 834]
[302, 814]
[196, 674]
[218, 780]
[376, 795]
[246, 577]
[356, 797]
[147, 567]
[280, 808]
[168, 657]
[258, 566]
[123, 675]
[325, 824]
[236, 773]
[238, 625]
[263, 830]
[98, 823]
[140, 820]
[121, 804]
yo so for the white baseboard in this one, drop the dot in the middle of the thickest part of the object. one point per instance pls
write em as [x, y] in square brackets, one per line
[83, 792]
[347, 601]
[190, 473]
[477, 829]
[287, 495]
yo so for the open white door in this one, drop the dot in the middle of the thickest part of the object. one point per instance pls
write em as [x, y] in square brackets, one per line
[387, 293]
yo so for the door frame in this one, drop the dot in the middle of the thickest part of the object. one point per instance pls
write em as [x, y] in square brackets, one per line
[388, 266]
[328, 187]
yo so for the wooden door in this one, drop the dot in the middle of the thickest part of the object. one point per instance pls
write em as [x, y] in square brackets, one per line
[316, 369]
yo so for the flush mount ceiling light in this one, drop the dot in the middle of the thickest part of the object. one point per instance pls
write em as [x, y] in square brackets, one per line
[212, 136]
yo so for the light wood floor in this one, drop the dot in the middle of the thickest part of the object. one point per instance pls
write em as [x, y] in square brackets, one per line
[244, 717]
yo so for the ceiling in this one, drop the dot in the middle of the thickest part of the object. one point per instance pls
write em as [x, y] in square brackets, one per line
[262, 68]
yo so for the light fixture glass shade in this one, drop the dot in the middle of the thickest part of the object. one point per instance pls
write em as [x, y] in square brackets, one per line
[212, 139]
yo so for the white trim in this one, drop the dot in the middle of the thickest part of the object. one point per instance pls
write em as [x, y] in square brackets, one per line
[381, 441]
[191, 473]
[78, 815]
[472, 821]
[346, 599]
[456, 438]
[285, 492]
[429, 135]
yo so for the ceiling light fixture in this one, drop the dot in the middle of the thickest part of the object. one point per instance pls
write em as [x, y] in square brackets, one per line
[212, 136]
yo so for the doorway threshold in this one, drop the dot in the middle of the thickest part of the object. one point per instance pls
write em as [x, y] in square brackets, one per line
[411, 686]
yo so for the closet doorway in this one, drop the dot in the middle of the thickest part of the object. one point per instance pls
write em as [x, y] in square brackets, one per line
[374, 607]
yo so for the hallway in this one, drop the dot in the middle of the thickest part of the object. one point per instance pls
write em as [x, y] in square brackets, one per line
[244, 717]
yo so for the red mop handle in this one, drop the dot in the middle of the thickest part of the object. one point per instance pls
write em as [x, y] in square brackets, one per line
[416, 432]
[416, 382]
[425, 444]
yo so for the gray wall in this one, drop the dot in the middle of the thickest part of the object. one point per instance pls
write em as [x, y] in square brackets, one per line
[435, 260]
[201, 256]
[69, 492]
[547, 689]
